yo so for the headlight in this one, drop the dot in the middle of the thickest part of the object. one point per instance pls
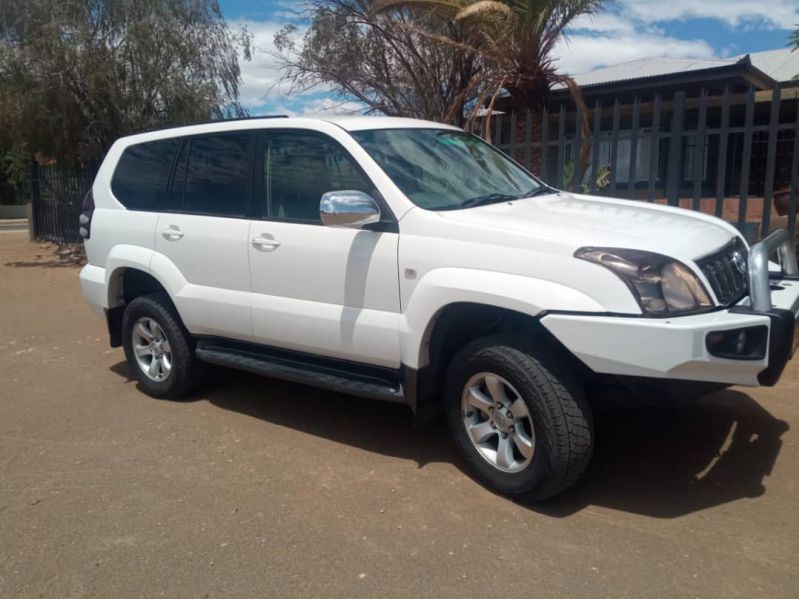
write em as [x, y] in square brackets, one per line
[661, 285]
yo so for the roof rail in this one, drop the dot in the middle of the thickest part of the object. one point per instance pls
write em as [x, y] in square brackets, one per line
[211, 122]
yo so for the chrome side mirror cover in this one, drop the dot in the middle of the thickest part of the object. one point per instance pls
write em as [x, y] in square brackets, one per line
[348, 208]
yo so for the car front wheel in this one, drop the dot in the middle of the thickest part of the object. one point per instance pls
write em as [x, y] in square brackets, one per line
[521, 423]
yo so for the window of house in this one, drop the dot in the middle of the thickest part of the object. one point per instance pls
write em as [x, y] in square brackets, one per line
[690, 155]
[301, 166]
[624, 155]
[218, 174]
[141, 176]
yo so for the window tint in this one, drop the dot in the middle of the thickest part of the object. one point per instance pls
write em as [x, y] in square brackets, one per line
[299, 167]
[141, 176]
[217, 174]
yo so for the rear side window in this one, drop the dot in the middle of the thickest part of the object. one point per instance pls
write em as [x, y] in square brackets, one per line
[218, 174]
[142, 174]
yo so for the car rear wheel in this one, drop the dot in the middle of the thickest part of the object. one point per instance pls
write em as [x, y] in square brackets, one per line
[522, 424]
[158, 348]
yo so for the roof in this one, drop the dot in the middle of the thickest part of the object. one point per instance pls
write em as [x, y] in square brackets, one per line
[782, 65]
[644, 68]
[778, 65]
[348, 123]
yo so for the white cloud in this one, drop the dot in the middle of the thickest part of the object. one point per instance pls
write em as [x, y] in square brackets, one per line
[773, 14]
[583, 52]
[261, 77]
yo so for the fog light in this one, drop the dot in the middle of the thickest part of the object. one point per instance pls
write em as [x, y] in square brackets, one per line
[749, 343]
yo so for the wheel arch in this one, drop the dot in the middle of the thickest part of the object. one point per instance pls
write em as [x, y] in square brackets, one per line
[457, 324]
[129, 275]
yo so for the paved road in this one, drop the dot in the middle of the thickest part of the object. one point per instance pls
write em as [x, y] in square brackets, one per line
[259, 488]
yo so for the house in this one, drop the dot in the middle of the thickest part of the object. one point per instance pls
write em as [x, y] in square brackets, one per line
[737, 121]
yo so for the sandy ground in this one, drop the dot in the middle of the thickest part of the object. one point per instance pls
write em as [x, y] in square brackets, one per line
[259, 488]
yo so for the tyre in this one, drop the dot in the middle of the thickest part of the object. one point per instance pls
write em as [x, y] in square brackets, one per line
[522, 424]
[159, 349]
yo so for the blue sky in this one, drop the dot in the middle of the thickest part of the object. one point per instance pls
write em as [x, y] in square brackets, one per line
[626, 30]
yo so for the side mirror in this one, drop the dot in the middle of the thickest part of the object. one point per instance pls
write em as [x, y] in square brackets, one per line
[348, 209]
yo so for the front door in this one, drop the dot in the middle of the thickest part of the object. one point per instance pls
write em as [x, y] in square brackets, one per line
[317, 289]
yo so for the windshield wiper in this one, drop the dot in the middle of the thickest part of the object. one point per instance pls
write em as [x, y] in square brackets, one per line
[493, 198]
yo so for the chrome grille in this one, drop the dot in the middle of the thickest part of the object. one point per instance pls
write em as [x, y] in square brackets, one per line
[726, 270]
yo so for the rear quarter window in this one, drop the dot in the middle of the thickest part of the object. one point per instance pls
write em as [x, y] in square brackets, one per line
[142, 174]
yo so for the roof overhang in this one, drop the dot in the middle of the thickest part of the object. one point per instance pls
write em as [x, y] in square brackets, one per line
[743, 70]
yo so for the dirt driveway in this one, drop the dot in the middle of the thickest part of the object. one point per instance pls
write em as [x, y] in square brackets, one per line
[260, 488]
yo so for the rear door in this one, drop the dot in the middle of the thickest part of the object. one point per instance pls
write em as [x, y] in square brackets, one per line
[202, 237]
[322, 290]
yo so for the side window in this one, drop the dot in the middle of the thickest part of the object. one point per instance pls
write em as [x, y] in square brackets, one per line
[141, 176]
[218, 174]
[300, 166]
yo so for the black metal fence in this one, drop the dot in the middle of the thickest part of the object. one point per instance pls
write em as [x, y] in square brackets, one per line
[731, 153]
[734, 154]
[56, 197]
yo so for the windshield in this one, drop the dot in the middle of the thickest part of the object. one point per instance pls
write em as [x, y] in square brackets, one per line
[442, 169]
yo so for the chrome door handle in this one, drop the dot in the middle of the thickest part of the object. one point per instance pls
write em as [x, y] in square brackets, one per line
[265, 244]
[173, 233]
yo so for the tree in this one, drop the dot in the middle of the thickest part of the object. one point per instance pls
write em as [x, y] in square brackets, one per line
[516, 38]
[388, 61]
[77, 74]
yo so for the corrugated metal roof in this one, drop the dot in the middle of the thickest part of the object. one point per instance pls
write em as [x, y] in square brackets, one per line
[646, 67]
[781, 65]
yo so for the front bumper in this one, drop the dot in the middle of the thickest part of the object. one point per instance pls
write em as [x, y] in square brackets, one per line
[677, 348]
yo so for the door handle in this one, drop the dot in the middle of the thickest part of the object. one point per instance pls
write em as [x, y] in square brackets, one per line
[173, 233]
[265, 244]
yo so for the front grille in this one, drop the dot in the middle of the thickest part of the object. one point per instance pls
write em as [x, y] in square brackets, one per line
[726, 270]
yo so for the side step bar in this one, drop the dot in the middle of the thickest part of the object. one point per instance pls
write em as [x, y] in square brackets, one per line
[334, 375]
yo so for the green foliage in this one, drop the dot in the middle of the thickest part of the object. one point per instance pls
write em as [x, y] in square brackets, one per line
[602, 177]
[77, 74]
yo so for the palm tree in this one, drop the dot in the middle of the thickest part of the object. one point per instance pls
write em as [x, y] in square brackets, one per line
[516, 38]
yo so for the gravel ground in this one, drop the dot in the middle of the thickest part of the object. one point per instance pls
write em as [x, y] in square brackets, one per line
[261, 488]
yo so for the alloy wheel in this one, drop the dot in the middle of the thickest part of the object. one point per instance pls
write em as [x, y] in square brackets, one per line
[498, 422]
[151, 348]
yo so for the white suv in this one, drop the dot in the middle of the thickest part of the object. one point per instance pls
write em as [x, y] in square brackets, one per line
[410, 261]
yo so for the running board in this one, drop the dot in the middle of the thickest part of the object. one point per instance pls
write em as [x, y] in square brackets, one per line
[334, 375]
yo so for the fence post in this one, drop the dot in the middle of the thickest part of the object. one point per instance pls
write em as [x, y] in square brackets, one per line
[614, 145]
[35, 200]
[634, 147]
[721, 168]
[654, 151]
[747, 157]
[792, 200]
[595, 144]
[699, 151]
[561, 162]
[544, 146]
[771, 160]
[528, 141]
[577, 150]
[673, 172]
